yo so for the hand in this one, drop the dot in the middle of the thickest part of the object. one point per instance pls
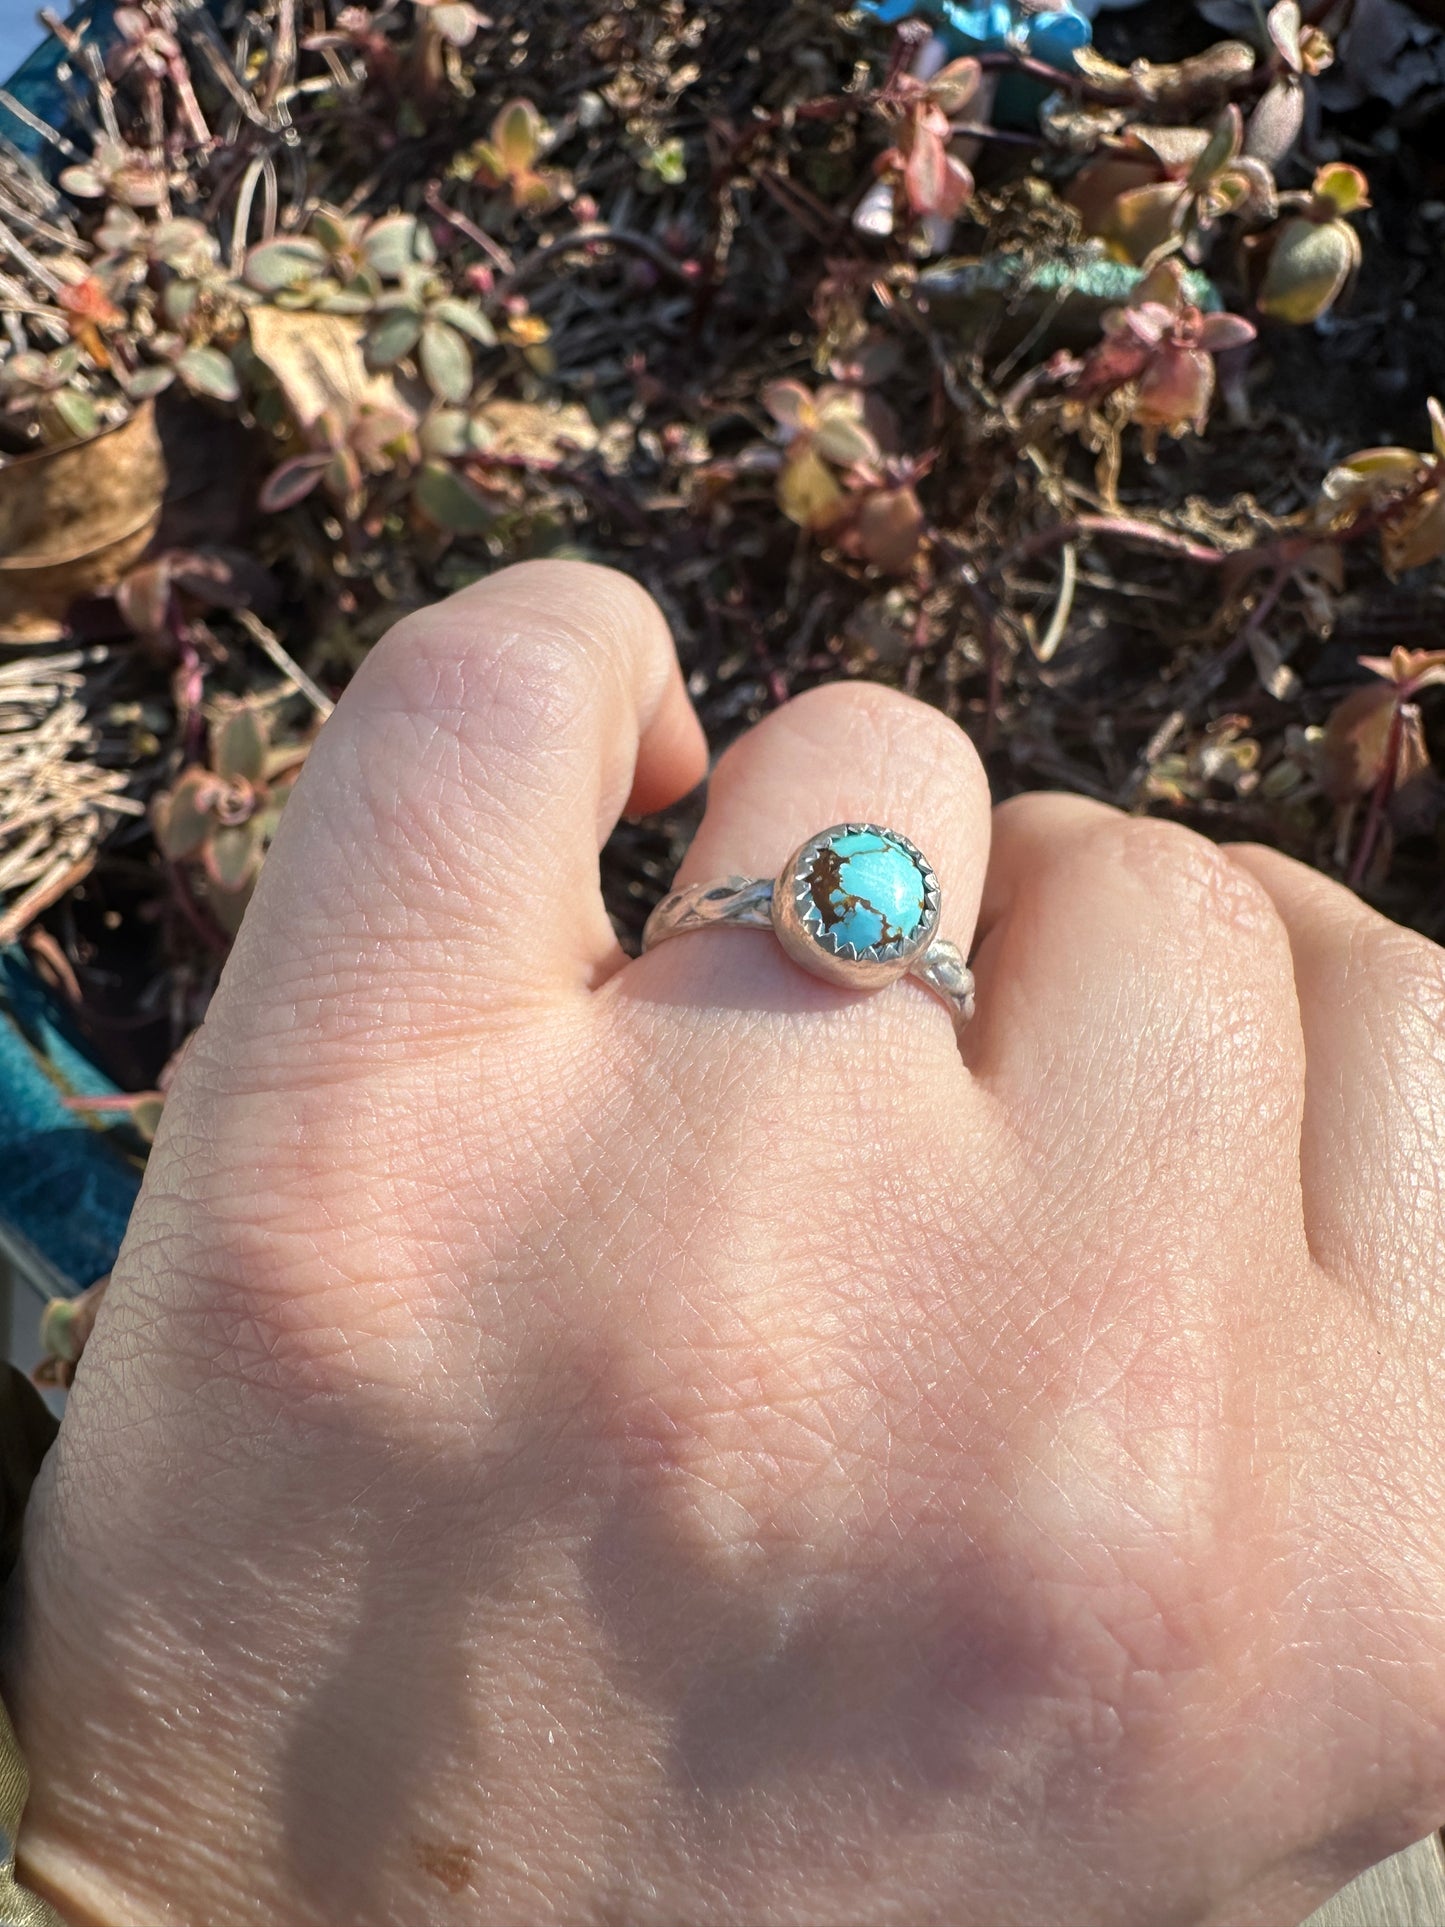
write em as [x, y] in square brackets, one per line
[576, 1441]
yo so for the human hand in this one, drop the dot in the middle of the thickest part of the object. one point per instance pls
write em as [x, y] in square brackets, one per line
[574, 1440]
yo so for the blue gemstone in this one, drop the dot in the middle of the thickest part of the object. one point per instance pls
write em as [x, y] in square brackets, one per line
[867, 889]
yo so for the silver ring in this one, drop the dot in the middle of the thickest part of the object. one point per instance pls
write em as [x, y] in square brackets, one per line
[857, 905]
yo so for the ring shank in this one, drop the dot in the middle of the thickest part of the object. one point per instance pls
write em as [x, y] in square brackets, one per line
[747, 903]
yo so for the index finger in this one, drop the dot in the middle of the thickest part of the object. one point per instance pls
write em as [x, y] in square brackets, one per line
[439, 857]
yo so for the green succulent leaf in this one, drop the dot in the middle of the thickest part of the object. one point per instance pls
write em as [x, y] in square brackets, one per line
[446, 361]
[240, 742]
[517, 135]
[470, 319]
[1308, 267]
[206, 371]
[1344, 187]
[149, 381]
[449, 500]
[390, 244]
[394, 332]
[182, 819]
[444, 432]
[77, 411]
[284, 263]
[233, 855]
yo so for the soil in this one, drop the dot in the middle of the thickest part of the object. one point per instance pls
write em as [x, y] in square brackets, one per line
[674, 343]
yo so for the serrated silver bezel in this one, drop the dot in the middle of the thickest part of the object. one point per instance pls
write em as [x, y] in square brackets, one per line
[803, 934]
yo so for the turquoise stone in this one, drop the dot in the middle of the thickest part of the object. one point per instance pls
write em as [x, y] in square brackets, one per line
[867, 890]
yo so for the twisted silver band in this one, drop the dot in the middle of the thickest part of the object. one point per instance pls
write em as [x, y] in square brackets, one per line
[808, 916]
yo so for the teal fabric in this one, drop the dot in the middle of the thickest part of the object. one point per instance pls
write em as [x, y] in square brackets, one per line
[67, 1183]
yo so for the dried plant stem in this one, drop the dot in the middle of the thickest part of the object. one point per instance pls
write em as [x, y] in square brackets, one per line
[1379, 799]
[273, 647]
[1063, 605]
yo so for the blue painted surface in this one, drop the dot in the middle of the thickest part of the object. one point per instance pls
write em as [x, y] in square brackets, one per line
[1054, 36]
[878, 895]
[36, 81]
[65, 1182]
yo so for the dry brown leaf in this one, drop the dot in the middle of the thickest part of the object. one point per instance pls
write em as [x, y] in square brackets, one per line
[318, 361]
[536, 432]
[73, 520]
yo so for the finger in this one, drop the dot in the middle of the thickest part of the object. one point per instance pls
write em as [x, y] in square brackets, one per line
[439, 855]
[1136, 1006]
[843, 753]
[1372, 1148]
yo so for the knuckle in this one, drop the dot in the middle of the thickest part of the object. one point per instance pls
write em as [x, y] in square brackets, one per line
[1406, 972]
[1191, 880]
[531, 682]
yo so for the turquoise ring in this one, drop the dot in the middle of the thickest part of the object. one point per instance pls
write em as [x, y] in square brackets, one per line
[856, 904]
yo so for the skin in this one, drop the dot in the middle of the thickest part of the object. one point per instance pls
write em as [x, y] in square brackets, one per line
[573, 1440]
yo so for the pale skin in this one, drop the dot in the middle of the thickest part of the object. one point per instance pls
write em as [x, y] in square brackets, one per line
[574, 1441]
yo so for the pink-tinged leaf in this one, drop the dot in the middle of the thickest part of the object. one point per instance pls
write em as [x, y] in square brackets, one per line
[955, 85]
[924, 176]
[292, 482]
[1316, 50]
[144, 597]
[1356, 742]
[1224, 142]
[1220, 331]
[1275, 123]
[1343, 186]
[889, 528]
[808, 492]
[457, 22]
[1175, 390]
[1146, 321]
[1417, 536]
[790, 404]
[1408, 668]
[957, 188]
[840, 434]
[1120, 357]
[182, 817]
[1309, 265]
[1284, 30]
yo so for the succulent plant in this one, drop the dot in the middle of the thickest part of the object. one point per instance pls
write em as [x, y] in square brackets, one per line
[1311, 257]
[220, 817]
[1163, 186]
[1159, 347]
[1404, 492]
[507, 160]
